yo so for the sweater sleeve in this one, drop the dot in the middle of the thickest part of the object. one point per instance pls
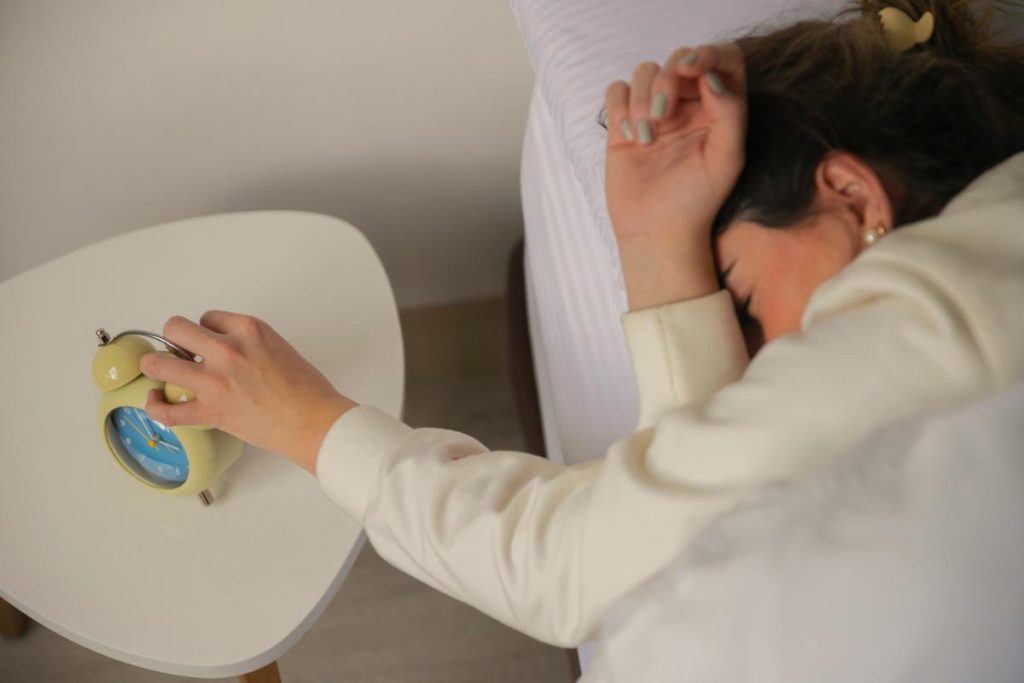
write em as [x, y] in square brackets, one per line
[539, 546]
[683, 352]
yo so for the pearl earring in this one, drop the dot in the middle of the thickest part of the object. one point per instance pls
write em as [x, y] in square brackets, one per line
[871, 236]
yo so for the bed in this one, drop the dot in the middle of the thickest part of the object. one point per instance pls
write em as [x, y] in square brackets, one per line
[574, 289]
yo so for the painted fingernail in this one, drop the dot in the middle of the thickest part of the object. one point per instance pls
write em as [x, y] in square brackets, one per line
[715, 82]
[627, 132]
[643, 131]
[689, 60]
[658, 105]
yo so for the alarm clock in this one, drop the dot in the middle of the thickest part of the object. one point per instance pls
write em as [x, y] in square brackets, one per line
[182, 460]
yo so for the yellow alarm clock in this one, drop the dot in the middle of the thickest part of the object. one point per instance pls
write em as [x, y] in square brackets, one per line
[183, 460]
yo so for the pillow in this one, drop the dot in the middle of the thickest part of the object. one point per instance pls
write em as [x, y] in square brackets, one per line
[578, 47]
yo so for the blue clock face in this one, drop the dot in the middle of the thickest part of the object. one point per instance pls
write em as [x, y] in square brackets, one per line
[146, 447]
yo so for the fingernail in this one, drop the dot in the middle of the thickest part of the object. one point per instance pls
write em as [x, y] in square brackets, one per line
[658, 105]
[689, 60]
[715, 82]
[644, 132]
[627, 132]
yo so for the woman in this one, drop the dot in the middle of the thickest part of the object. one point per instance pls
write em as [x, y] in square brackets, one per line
[826, 129]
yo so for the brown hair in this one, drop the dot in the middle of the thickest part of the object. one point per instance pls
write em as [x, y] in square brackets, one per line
[927, 120]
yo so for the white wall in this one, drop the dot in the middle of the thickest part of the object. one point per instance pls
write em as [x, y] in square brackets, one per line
[404, 117]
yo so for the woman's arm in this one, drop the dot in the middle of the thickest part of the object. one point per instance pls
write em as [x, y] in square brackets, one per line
[541, 547]
[674, 151]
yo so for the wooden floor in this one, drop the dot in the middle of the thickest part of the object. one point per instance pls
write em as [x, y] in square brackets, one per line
[382, 626]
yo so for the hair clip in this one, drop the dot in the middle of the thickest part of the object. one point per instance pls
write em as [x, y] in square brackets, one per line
[904, 32]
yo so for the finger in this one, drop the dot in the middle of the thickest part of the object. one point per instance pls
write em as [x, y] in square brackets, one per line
[727, 112]
[725, 59]
[723, 87]
[223, 322]
[166, 367]
[191, 413]
[727, 133]
[195, 338]
[669, 87]
[640, 101]
[616, 104]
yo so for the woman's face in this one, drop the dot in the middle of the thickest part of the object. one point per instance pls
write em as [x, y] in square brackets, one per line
[778, 269]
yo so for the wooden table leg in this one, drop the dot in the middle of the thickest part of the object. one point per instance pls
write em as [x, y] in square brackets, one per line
[268, 674]
[574, 662]
[12, 622]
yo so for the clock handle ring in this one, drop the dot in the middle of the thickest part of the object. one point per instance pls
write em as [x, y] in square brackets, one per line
[178, 351]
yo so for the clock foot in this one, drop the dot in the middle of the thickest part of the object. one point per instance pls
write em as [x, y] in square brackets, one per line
[205, 497]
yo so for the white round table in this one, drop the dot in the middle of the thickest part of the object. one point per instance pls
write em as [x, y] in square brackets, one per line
[155, 580]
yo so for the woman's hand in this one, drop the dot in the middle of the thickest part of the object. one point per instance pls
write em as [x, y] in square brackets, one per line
[675, 148]
[251, 383]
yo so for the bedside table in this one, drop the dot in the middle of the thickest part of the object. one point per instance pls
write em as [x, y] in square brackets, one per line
[160, 581]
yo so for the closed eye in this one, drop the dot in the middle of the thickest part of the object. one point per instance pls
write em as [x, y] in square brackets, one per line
[751, 326]
[753, 333]
[743, 311]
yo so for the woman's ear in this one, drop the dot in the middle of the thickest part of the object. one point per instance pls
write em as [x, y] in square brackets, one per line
[850, 187]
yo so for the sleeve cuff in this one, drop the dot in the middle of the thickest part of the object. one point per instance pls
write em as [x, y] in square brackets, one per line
[348, 462]
[683, 352]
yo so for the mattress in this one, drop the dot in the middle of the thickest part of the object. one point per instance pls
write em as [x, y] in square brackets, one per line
[575, 298]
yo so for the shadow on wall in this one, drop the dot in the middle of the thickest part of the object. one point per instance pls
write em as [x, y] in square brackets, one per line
[434, 226]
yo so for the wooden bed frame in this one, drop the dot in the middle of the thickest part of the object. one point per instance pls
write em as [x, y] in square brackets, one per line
[524, 381]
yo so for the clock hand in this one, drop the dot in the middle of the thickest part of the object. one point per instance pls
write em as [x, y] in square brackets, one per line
[149, 431]
[136, 428]
[151, 440]
[169, 445]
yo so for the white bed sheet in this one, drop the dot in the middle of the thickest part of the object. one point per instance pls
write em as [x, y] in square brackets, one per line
[574, 301]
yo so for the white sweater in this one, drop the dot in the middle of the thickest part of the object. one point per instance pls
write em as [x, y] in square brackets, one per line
[929, 318]
[897, 562]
